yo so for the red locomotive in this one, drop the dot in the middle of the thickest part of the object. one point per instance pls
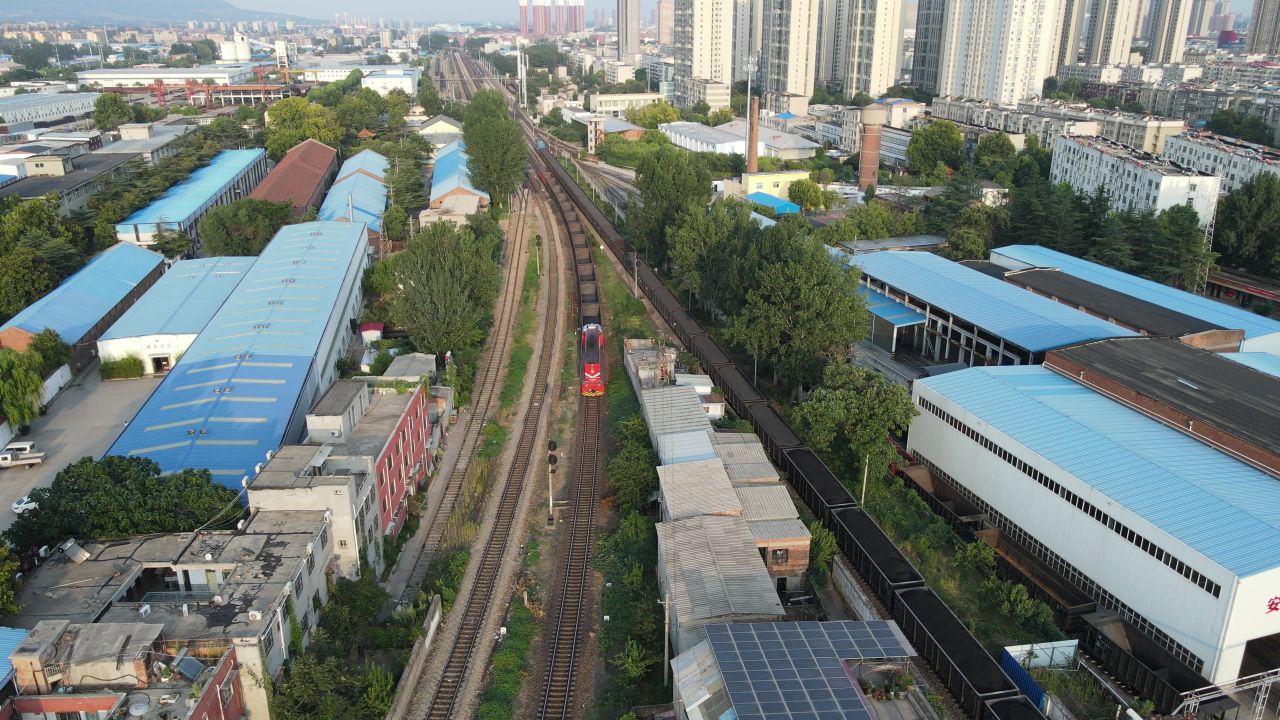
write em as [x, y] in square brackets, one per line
[592, 349]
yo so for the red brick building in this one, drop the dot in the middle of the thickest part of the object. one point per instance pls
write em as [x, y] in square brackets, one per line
[301, 177]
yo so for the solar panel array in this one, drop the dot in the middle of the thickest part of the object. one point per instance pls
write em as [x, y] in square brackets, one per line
[796, 671]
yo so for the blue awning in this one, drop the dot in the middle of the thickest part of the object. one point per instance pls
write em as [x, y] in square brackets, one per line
[10, 639]
[889, 310]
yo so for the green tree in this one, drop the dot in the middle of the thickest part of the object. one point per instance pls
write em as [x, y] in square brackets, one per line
[496, 145]
[171, 243]
[995, 157]
[9, 569]
[292, 120]
[445, 276]
[966, 244]
[668, 181]
[801, 308]
[38, 218]
[850, 416]
[806, 194]
[119, 497]
[110, 111]
[21, 387]
[243, 227]
[720, 117]
[1175, 254]
[1232, 123]
[23, 280]
[633, 662]
[938, 142]
[631, 474]
[1247, 227]
[822, 548]
[53, 352]
[653, 115]
[703, 242]
[397, 107]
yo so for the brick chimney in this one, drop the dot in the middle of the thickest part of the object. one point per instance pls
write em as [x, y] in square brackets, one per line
[753, 135]
[873, 118]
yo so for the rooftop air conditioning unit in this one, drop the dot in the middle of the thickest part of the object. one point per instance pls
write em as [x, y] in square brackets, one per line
[144, 611]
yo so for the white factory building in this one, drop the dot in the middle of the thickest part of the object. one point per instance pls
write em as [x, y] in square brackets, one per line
[696, 137]
[1135, 180]
[385, 79]
[1175, 536]
[146, 76]
[1234, 161]
[26, 111]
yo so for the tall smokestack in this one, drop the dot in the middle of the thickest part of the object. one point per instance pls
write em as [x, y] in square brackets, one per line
[873, 118]
[753, 136]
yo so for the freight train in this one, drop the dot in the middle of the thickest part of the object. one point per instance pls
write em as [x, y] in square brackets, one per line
[973, 678]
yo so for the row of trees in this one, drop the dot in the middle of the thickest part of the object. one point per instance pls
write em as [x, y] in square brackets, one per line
[496, 146]
[38, 249]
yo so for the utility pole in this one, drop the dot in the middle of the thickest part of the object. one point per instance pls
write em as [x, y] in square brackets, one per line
[866, 461]
[665, 602]
[753, 62]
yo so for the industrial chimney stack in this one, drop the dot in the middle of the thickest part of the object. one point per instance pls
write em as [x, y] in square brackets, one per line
[753, 135]
[873, 118]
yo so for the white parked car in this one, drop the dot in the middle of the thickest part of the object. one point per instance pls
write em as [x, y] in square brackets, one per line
[23, 504]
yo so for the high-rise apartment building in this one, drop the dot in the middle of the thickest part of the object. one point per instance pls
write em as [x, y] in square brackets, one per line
[1264, 29]
[628, 30]
[790, 53]
[930, 15]
[524, 17]
[702, 47]
[999, 50]
[1069, 36]
[1111, 28]
[748, 37]
[666, 22]
[1168, 38]
[858, 45]
[1202, 12]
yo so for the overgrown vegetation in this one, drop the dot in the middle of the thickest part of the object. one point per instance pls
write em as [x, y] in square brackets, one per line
[129, 366]
[509, 665]
[119, 497]
[522, 349]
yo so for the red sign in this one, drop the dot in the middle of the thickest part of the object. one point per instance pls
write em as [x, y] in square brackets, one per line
[1273, 605]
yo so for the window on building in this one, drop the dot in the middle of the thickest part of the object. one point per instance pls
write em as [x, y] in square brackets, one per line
[779, 556]
[311, 563]
[268, 639]
[315, 601]
[324, 537]
[226, 691]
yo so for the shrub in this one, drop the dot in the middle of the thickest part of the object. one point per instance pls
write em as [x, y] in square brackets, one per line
[125, 367]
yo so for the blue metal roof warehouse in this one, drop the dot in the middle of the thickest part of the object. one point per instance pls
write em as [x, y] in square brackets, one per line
[184, 299]
[776, 204]
[936, 286]
[450, 173]
[1261, 333]
[360, 192]
[85, 304]
[240, 390]
[176, 208]
[76, 305]
[1217, 505]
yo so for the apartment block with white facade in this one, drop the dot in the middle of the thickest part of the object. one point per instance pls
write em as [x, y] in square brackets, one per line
[999, 50]
[702, 47]
[1143, 131]
[859, 45]
[790, 47]
[1234, 161]
[1134, 180]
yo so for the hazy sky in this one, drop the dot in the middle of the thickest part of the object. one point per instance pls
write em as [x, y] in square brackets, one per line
[443, 11]
[434, 10]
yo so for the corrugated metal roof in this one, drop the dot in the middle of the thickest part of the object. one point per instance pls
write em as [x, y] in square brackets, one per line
[1224, 509]
[180, 202]
[10, 640]
[787, 529]
[696, 488]
[681, 447]
[778, 205]
[366, 161]
[766, 502]
[82, 300]
[298, 176]
[1020, 317]
[711, 569]
[1221, 314]
[234, 393]
[358, 198]
[744, 458]
[888, 309]
[453, 182]
[183, 299]
[450, 172]
[1260, 361]
[673, 408]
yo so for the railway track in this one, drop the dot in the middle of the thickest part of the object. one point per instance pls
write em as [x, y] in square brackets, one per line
[569, 600]
[484, 400]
